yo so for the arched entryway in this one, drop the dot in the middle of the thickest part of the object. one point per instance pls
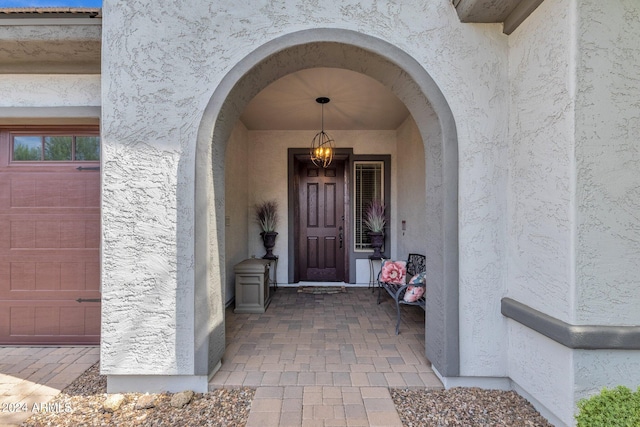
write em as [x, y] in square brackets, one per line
[410, 82]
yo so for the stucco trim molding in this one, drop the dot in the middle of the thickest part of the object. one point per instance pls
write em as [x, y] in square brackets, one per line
[153, 383]
[582, 337]
[510, 12]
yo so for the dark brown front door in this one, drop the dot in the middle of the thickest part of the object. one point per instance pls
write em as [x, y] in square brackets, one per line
[321, 242]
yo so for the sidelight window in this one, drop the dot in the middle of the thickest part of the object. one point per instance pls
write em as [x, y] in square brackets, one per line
[369, 186]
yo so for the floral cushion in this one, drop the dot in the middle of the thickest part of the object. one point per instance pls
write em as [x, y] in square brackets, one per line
[413, 293]
[420, 278]
[393, 272]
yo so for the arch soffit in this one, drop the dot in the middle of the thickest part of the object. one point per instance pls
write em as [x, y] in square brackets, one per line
[337, 48]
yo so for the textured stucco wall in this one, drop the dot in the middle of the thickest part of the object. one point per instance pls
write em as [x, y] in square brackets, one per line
[160, 68]
[605, 368]
[23, 90]
[540, 208]
[236, 198]
[55, 31]
[544, 370]
[573, 196]
[39, 46]
[411, 185]
[541, 160]
[608, 160]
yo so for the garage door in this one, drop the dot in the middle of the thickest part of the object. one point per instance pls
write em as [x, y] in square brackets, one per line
[49, 236]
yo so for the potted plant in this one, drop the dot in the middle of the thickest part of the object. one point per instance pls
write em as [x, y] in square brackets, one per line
[267, 218]
[375, 221]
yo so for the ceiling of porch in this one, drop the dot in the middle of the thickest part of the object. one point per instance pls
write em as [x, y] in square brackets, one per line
[358, 102]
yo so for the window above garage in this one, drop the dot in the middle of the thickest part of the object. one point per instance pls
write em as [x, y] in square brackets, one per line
[54, 145]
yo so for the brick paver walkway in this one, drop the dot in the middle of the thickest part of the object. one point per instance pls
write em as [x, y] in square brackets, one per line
[325, 360]
[32, 376]
[315, 360]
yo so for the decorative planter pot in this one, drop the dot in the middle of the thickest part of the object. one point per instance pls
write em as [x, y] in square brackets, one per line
[269, 241]
[377, 240]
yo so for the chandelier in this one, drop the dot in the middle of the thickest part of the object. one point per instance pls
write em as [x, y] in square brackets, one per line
[322, 146]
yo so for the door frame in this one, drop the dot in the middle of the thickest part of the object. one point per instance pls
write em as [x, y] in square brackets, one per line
[295, 156]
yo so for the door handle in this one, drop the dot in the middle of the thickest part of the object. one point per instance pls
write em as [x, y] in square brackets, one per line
[340, 236]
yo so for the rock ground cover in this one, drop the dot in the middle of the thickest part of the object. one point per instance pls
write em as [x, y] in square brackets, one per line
[86, 403]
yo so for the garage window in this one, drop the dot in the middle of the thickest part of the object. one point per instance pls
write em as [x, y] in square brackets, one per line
[51, 147]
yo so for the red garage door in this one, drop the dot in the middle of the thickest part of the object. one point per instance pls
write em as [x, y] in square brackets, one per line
[49, 236]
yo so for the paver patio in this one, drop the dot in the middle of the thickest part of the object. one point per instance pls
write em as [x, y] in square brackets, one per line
[32, 376]
[325, 360]
[315, 360]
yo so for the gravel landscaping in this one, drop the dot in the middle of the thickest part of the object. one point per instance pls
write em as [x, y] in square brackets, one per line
[82, 404]
[85, 403]
[469, 407]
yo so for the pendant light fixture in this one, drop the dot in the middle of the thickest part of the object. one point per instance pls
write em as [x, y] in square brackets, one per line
[322, 146]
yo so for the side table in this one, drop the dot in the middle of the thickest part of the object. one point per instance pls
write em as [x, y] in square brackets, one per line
[372, 275]
[273, 265]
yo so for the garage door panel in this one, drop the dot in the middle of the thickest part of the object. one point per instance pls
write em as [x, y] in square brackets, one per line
[48, 192]
[92, 278]
[71, 295]
[21, 320]
[47, 234]
[22, 276]
[46, 321]
[26, 188]
[92, 234]
[47, 276]
[49, 322]
[5, 193]
[92, 320]
[23, 234]
[72, 234]
[23, 192]
[72, 320]
[61, 255]
[73, 193]
[72, 276]
[51, 232]
[48, 280]
[92, 199]
[5, 234]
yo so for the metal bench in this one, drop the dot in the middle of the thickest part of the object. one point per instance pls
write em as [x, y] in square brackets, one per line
[416, 263]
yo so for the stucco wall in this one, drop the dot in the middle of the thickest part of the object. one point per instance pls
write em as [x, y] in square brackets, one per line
[541, 159]
[544, 370]
[608, 160]
[573, 192]
[50, 31]
[55, 46]
[236, 198]
[160, 68]
[541, 202]
[24, 90]
[411, 185]
[605, 368]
